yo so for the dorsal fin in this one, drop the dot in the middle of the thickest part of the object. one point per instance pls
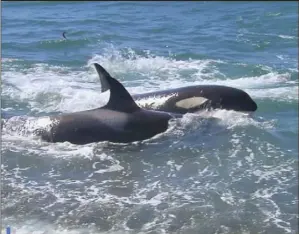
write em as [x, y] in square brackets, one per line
[103, 74]
[120, 99]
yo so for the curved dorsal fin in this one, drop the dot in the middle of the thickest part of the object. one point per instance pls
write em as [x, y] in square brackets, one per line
[103, 74]
[120, 99]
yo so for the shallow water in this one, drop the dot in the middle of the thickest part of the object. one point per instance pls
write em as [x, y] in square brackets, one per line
[237, 173]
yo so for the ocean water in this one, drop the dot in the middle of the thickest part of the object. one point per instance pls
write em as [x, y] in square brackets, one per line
[238, 174]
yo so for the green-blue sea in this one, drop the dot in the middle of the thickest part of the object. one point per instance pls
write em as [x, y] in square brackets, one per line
[237, 175]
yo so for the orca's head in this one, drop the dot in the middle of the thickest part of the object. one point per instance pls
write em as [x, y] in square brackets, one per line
[239, 101]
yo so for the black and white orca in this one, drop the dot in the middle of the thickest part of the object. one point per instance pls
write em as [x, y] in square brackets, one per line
[121, 120]
[191, 98]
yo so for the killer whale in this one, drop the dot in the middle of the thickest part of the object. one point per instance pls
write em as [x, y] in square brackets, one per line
[192, 98]
[121, 120]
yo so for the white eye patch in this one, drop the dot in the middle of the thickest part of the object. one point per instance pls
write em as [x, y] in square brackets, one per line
[191, 102]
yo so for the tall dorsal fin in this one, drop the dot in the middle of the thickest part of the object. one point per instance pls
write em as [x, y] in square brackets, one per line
[103, 74]
[120, 99]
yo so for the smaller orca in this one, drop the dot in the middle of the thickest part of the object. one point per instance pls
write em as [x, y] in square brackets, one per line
[192, 98]
[121, 120]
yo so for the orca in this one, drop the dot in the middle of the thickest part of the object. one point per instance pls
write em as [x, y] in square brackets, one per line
[191, 99]
[121, 120]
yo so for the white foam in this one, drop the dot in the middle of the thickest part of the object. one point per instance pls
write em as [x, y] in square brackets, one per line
[4, 60]
[287, 37]
[112, 168]
[52, 88]
[232, 119]
[287, 94]
[154, 101]
[150, 65]
[269, 79]
[266, 34]
[39, 227]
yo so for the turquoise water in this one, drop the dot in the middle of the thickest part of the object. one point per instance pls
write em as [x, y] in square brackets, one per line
[235, 175]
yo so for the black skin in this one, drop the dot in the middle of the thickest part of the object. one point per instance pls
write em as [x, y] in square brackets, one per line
[106, 125]
[120, 121]
[123, 121]
[219, 96]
